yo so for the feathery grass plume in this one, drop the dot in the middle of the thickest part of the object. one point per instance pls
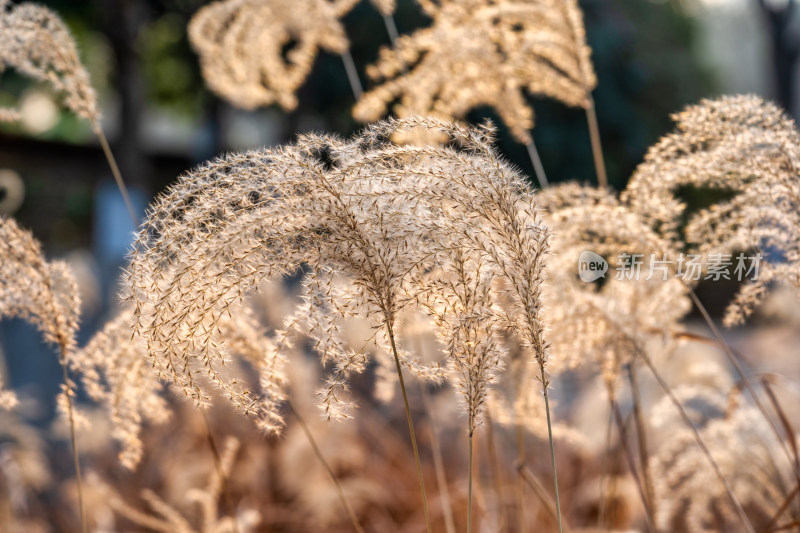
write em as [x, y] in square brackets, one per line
[485, 225]
[242, 46]
[24, 474]
[44, 294]
[40, 292]
[230, 224]
[168, 520]
[690, 495]
[461, 304]
[37, 43]
[362, 217]
[748, 149]
[115, 371]
[484, 53]
[603, 321]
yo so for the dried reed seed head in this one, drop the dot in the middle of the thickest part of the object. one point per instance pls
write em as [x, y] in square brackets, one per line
[460, 302]
[242, 45]
[40, 292]
[689, 495]
[37, 43]
[748, 149]
[606, 320]
[114, 371]
[477, 53]
[363, 217]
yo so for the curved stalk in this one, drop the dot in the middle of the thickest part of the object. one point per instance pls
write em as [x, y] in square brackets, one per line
[552, 448]
[390, 332]
[112, 163]
[73, 434]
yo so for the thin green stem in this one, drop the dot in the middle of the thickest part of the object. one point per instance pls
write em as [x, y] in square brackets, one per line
[321, 458]
[623, 438]
[527, 477]
[552, 448]
[597, 148]
[390, 332]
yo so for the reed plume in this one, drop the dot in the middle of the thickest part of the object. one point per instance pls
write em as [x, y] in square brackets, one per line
[115, 372]
[363, 218]
[477, 53]
[40, 292]
[242, 45]
[602, 322]
[748, 149]
[689, 494]
[37, 43]
[44, 294]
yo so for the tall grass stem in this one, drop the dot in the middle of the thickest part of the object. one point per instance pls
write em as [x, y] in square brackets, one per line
[597, 148]
[552, 448]
[390, 332]
[538, 168]
[112, 163]
[352, 74]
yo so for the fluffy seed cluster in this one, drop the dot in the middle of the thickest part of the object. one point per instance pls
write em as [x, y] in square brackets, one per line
[375, 227]
[484, 53]
[256, 53]
[609, 319]
[40, 292]
[749, 149]
[36, 42]
[115, 372]
[689, 494]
